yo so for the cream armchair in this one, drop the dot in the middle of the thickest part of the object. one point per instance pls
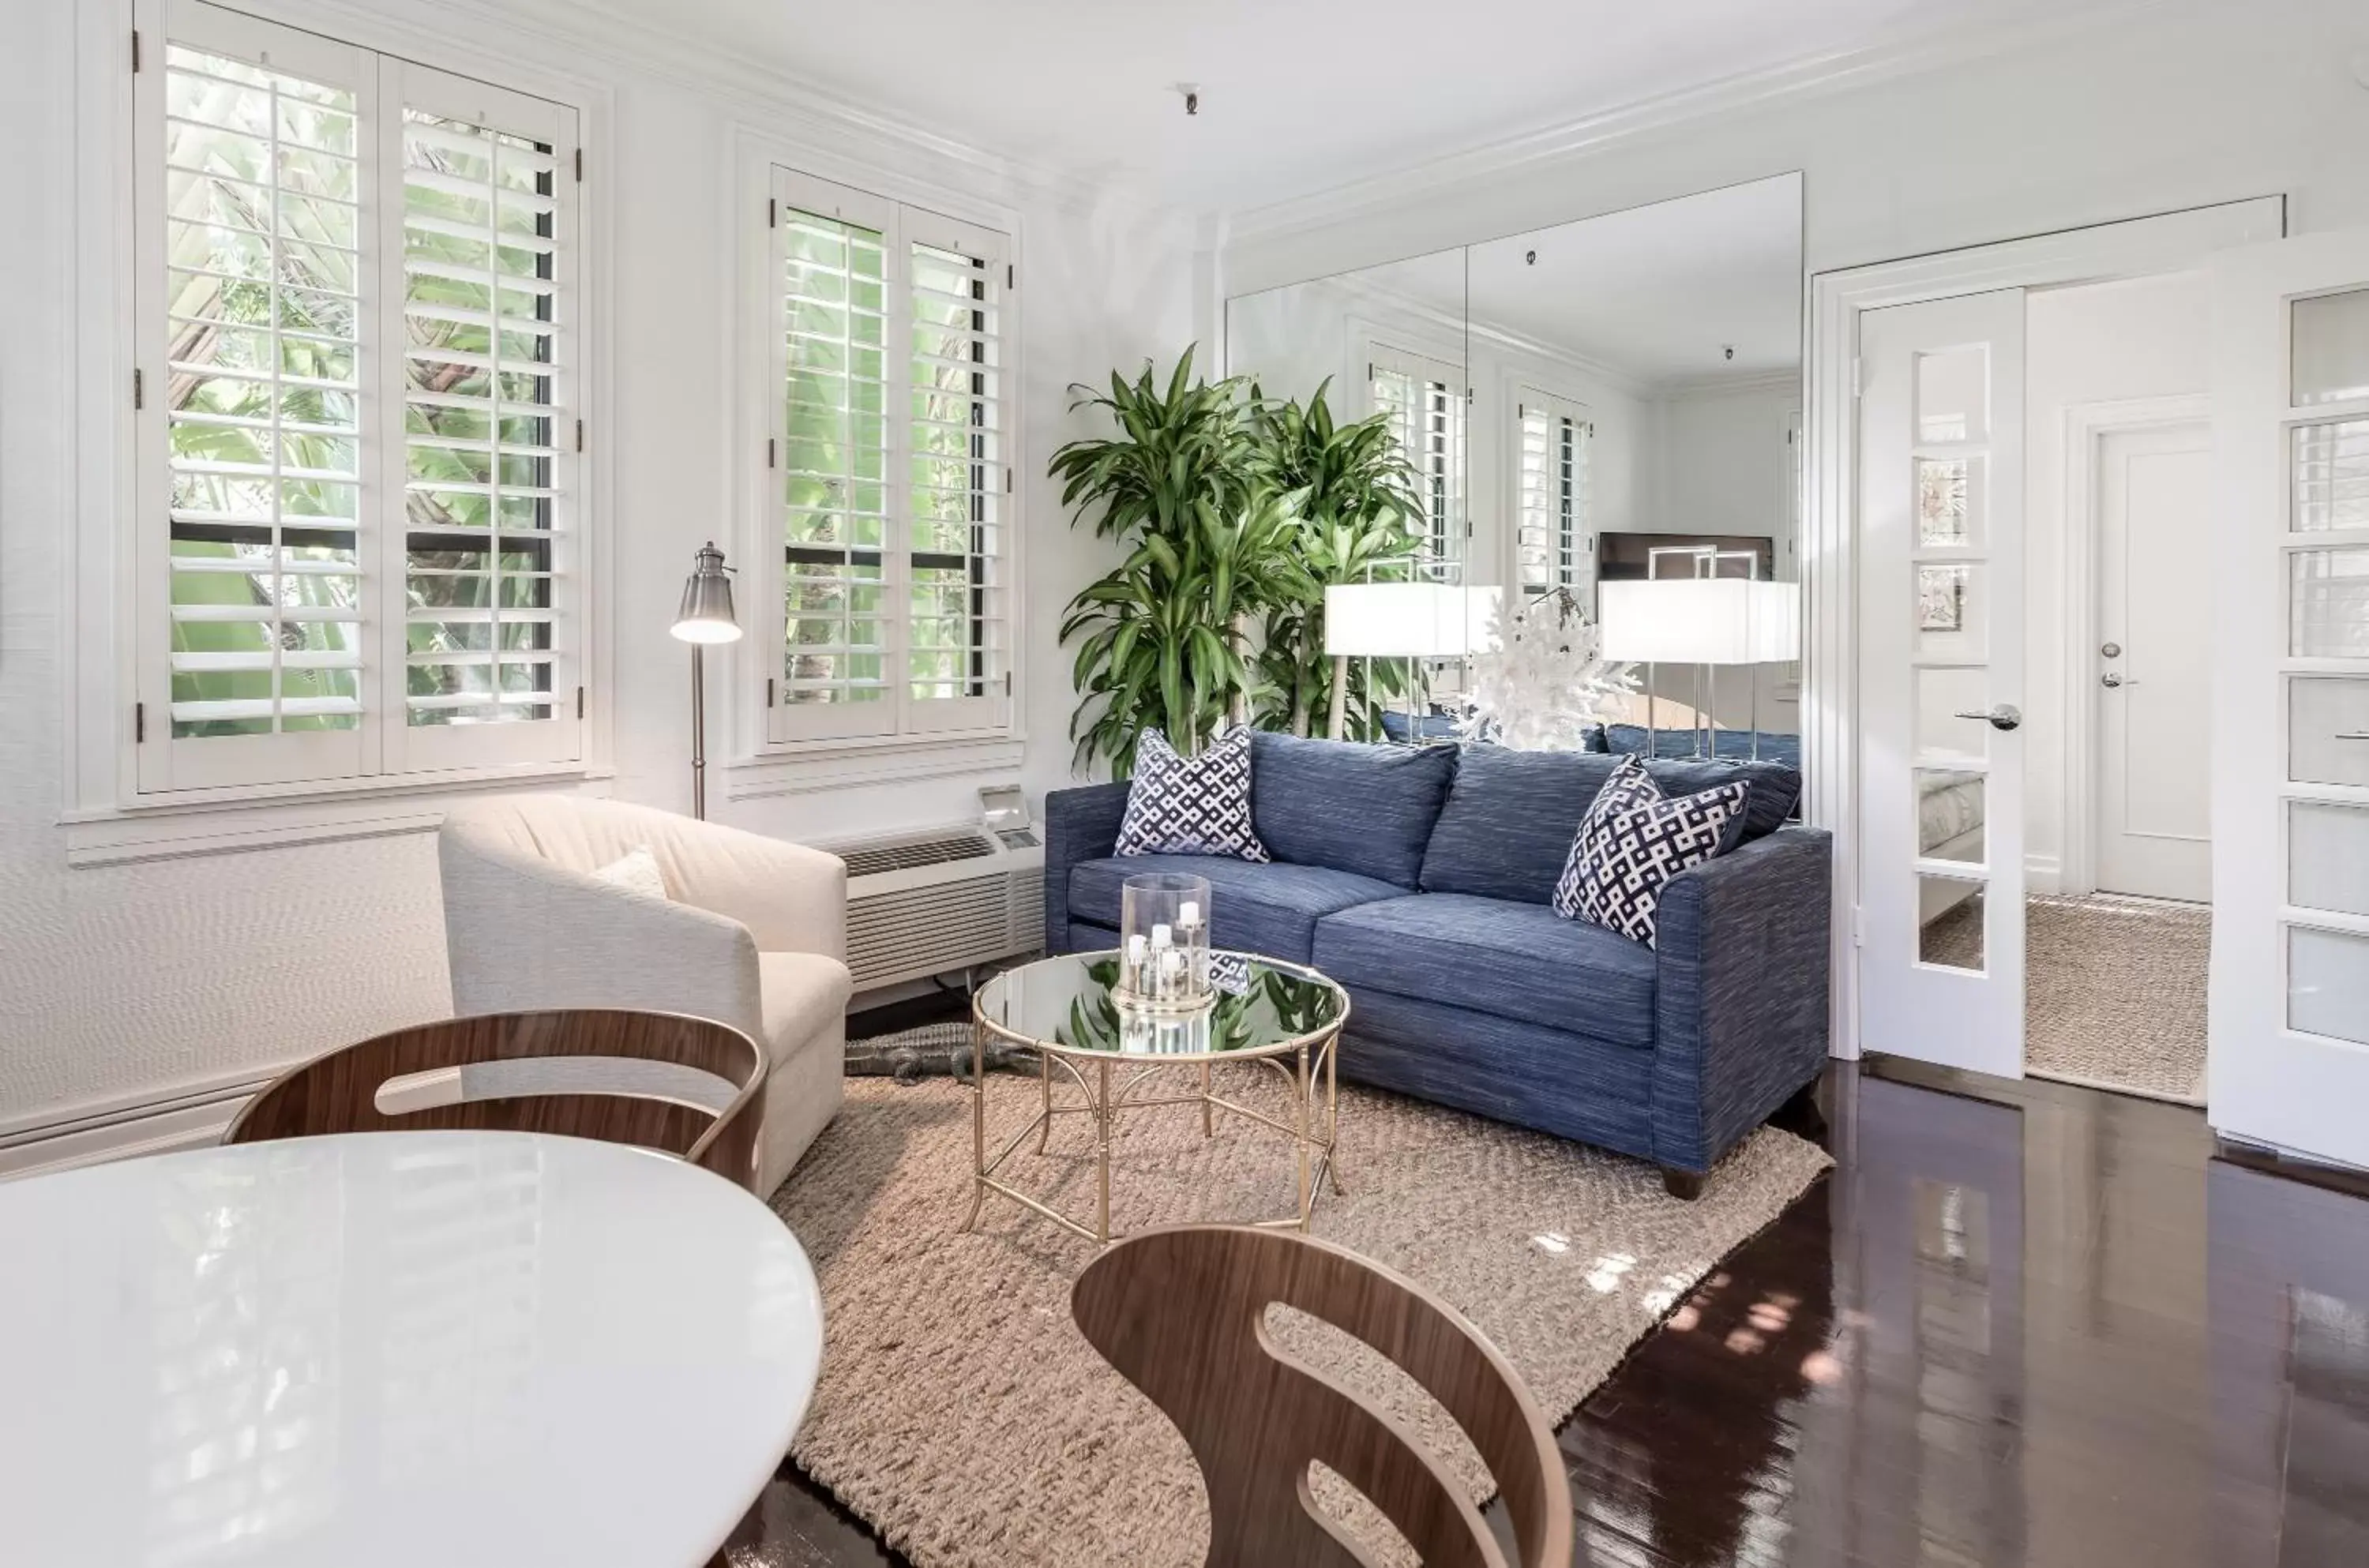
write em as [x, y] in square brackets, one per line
[753, 933]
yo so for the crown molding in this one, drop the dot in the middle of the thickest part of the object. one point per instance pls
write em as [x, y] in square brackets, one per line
[1507, 338]
[1810, 76]
[1713, 385]
[761, 94]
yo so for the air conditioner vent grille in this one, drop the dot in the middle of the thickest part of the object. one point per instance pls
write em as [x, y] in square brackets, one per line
[925, 931]
[943, 850]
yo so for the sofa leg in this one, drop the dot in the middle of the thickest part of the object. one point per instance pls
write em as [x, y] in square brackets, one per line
[1683, 1185]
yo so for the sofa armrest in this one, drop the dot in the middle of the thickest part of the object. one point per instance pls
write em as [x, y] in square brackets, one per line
[1741, 997]
[1079, 825]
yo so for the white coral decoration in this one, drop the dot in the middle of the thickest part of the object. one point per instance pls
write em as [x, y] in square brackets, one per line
[1543, 683]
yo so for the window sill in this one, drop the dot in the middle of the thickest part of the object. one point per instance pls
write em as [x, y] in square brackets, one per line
[842, 764]
[226, 822]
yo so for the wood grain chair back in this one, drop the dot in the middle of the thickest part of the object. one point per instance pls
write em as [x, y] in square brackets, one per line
[1181, 1313]
[658, 1080]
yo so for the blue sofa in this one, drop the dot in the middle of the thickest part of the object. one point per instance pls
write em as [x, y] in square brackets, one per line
[1421, 880]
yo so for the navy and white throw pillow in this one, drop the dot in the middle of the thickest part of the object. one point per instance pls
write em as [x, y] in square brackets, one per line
[1191, 805]
[1630, 846]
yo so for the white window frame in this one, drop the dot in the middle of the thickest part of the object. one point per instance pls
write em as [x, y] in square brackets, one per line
[1449, 539]
[787, 745]
[107, 814]
[1579, 577]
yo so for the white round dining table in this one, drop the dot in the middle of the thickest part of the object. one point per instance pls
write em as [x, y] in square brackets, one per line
[413, 1348]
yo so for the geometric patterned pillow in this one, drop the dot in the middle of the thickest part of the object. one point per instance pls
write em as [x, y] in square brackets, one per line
[1191, 805]
[1628, 848]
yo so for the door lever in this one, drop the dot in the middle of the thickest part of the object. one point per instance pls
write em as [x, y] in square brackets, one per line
[2007, 716]
[2109, 681]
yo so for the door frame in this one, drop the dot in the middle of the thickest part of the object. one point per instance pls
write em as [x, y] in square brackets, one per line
[2136, 247]
[2087, 425]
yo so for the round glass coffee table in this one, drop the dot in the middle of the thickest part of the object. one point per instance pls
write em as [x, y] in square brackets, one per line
[1119, 1057]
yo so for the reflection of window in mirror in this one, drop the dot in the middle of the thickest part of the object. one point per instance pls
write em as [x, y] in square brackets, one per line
[1552, 543]
[1425, 400]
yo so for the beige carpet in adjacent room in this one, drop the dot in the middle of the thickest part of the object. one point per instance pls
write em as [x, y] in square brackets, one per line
[961, 1413]
[2113, 989]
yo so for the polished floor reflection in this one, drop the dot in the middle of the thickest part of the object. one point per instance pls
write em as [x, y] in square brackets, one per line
[2020, 1324]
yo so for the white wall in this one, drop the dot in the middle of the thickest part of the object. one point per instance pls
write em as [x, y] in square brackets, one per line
[120, 982]
[2194, 103]
[2105, 342]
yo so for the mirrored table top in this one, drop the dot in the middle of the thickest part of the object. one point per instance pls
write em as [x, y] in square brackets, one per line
[393, 1348]
[1069, 1003]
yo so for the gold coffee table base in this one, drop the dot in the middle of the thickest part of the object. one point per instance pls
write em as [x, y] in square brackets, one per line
[1301, 1066]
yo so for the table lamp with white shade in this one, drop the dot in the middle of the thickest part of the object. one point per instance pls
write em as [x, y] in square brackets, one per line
[1705, 621]
[705, 618]
[1401, 620]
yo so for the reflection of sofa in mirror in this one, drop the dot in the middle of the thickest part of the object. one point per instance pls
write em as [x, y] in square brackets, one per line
[1420, 879]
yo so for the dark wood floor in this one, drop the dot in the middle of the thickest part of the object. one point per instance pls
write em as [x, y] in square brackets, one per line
[2020, 1324]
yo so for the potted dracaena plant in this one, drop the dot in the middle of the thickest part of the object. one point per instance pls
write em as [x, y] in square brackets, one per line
[1361, 521]
[1163, 640]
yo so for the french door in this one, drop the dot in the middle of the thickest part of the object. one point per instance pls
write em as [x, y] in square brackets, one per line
[1941, 655]
[2289, 1034]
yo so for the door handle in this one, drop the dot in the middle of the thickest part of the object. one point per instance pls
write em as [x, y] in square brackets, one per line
[2111, 681]
[2007, 716]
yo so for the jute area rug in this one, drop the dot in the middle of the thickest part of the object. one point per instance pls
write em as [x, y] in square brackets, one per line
[962, 1417]
[2113, 989]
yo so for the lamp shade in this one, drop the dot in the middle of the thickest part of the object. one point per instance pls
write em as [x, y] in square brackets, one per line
[1678, 621]
[1383, 620]
[706, 614]
[1701, 621]
[1776, 622]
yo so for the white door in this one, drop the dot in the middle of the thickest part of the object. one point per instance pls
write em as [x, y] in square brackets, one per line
[2151, 670]
[2289, 1041]
[1940, 629]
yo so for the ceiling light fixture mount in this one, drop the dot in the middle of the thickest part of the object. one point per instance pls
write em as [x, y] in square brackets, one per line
[1192, 95]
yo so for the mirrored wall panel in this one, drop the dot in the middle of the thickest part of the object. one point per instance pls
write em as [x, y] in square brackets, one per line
[1591, 416]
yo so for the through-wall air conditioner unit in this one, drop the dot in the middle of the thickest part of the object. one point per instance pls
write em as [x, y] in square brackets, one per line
[935, 900]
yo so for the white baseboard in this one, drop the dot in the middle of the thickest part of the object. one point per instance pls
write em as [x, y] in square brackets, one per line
[190, 1119]
[2043, 874]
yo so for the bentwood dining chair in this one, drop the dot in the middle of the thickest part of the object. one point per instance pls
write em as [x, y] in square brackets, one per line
[1178, 1311]
[687, 1086]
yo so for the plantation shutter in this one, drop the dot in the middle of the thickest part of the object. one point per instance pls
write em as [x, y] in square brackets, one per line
[1552, 543]
[253, 310]
[890, 463]
[356, 507]
[485, 649]
[1426, 401]
[957, 603]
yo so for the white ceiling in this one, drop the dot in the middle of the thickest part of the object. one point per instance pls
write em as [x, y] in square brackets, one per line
[1659, 292]
[1297, 96]
[1655, 293]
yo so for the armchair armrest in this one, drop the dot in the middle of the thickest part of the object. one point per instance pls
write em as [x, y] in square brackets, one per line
[523, 933]
[1079, 825]
[1741, 999]
[792, 898]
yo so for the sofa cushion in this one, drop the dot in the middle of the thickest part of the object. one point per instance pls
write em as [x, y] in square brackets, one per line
[1510, 815]
[1499, 957]
[1363, 808]
[1267, 910]
[1634, 841]
[1731, 745]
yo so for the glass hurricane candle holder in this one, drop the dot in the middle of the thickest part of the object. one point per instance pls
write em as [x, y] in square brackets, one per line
[1163, 932]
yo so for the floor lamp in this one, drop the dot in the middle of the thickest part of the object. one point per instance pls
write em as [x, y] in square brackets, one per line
[1412, 620]
[1705, 621]
[705, 617]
